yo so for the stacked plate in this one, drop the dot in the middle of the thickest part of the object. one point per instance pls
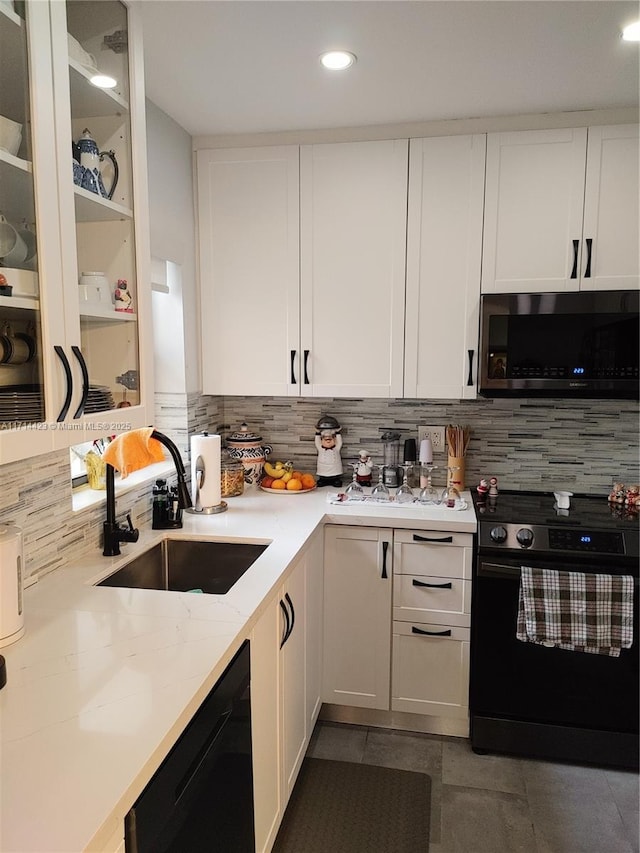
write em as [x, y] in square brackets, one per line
[21, 403]
[100, 399]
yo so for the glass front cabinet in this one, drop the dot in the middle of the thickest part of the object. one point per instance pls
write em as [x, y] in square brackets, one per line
[74, 247]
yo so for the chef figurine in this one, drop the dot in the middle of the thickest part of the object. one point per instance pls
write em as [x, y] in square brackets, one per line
[482, 488]
[364, 469]
[328, 442]
[493, 487]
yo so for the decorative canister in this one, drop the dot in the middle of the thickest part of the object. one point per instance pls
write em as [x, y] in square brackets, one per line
[231, 475]
[248, 448]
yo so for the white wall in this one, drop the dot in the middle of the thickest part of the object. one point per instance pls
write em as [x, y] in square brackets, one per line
[173, 238]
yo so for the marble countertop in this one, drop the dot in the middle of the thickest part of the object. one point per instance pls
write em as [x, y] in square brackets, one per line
[105, 679]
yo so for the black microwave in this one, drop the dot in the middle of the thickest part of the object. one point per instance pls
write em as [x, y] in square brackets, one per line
[578, 344]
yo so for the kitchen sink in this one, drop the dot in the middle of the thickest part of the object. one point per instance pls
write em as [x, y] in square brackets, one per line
[183, 565]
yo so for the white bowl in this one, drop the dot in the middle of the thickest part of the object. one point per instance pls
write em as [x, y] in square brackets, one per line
[10, 135]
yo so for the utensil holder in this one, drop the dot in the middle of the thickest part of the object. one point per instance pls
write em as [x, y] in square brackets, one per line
[457, 478]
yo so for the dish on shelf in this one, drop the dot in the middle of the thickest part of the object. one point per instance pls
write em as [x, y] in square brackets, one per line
[287, 491]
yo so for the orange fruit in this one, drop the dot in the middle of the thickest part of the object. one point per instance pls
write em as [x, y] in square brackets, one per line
[296, 475]
[278, 484]
[294, 485]
[308, 481]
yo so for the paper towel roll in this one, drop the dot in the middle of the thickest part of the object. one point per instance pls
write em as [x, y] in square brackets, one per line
[205, 470]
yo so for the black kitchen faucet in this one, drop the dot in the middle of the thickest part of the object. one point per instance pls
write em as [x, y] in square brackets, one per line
[113, 533]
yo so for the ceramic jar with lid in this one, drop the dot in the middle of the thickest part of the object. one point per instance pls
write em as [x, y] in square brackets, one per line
[248, 448]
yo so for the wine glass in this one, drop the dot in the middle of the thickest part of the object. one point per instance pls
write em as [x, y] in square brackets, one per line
[451, 494]
[404, 494]
[380, 491]
[429, 494]
[354, 490]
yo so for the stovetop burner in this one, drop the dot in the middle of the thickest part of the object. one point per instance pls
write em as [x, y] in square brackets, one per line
[531, 521]
[511, 507]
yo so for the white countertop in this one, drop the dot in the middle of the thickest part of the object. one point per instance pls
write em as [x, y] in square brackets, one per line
[105, 679]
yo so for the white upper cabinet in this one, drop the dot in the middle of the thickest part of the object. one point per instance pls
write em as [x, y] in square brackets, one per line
[302, 258]
[85, 356]
[444, 248]
[611, 221]
[249, 270]
[561, 210]
[353, 203]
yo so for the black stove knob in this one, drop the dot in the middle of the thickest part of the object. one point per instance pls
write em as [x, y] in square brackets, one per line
[525, 537]
[498, 534]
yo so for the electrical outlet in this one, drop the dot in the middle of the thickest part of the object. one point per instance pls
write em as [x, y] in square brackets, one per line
[435, 433]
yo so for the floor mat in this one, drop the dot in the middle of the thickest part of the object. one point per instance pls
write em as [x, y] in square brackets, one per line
[344, 807]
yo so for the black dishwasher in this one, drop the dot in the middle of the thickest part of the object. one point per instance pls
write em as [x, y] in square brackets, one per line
[201, 796]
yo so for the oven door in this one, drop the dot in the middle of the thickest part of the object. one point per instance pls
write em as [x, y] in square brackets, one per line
[511, 679]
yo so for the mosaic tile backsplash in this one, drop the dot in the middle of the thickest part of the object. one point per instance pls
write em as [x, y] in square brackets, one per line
[580, 446]
[527, 444]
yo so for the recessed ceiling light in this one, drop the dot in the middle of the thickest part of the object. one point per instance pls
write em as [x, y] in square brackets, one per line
[103, 81]
[632, 32]
[338, 60]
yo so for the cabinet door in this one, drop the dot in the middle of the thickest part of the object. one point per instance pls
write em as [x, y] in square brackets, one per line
[611, 210]
[314, 617]
[430, 669]
[444, 249]
[29, 235]
[103, 210]
[293, 717]
[265, 726]
[249, 270]
[357, 616]
[353, 209]
[533, 211]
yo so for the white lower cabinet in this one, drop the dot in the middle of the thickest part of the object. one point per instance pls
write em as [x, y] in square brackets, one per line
[412, 657]
[285, 690]
[431, 628]
[430, 669]
[357, 616]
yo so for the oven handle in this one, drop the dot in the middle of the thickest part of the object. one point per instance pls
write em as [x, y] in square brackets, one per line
[512, 572]
[497, 570]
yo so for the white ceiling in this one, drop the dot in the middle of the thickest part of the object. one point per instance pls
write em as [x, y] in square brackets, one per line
[249, 66]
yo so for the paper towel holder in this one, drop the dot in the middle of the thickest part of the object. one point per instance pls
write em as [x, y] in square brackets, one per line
[197, 508]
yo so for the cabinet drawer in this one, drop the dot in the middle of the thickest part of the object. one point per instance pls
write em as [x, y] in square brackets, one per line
[430, 673]
[439, 554]
[446, 601]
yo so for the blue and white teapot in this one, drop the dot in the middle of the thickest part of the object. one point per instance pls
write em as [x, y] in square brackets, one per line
[87, 158]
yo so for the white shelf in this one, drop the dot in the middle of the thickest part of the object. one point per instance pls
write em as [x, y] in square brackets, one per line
[91, 207]
[31, 304]
[88, 100]
[103, 312]
[7, 12]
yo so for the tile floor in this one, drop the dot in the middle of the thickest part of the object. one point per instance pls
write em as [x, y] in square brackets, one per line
[498, 804]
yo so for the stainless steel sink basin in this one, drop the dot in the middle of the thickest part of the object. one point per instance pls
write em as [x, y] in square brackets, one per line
[183, 565]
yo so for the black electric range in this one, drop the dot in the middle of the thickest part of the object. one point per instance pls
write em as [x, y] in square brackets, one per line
[539, 701]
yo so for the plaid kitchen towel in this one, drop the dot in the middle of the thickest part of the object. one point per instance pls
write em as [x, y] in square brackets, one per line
[576, 611]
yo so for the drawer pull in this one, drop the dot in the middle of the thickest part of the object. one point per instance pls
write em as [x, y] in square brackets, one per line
[446, 633]
[385, 546]
[433, 585]
[417, 538]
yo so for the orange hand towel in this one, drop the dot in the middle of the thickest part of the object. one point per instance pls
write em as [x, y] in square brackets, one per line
[133, 450]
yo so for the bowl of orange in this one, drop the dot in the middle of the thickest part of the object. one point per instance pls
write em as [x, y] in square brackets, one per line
[290, 483]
